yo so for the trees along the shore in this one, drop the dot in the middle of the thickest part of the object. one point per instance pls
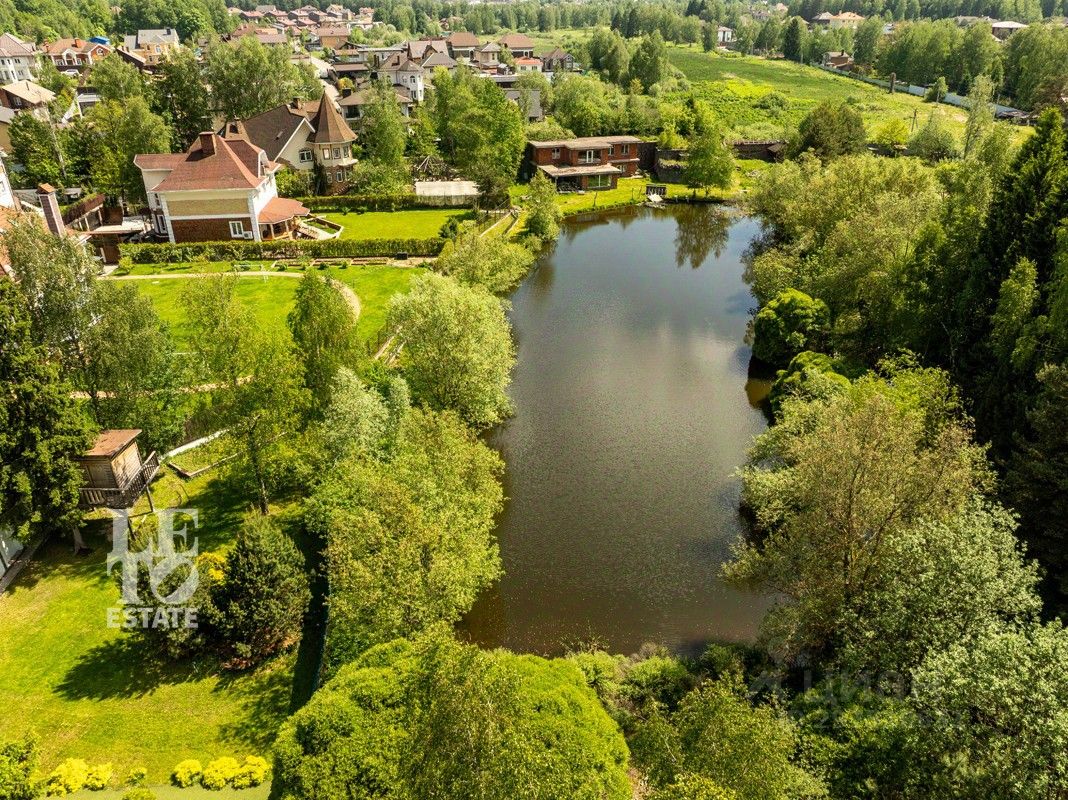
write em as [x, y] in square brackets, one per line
[437, 717]
[458, 349]
[830, 131]
[543, 214]
[492, 262]
[407, 521]
[709, 160]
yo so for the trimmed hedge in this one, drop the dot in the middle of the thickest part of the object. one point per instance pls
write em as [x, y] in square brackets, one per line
[342, 203]
[242, 250]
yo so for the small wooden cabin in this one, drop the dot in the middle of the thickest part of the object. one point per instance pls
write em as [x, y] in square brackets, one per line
[115, 474]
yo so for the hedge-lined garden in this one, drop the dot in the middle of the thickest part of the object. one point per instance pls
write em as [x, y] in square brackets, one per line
[238, 250]
[369, 202]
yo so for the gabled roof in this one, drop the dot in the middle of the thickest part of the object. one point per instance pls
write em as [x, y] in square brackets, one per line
[330, 126]
[516, 41]
[438, 60]
[330, 30]
[211, 163]
[150, 37]
[272, 130]
[12, 46]
[555, 54]
[29, 92]
[462, 39]
[109, 443]
[60, 46]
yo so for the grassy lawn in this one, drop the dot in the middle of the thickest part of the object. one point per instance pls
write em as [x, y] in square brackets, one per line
[418, 223]
[271, 297]
[89, 691]
[735, 85]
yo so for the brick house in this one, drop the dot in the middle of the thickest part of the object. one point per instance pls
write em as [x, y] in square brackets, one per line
[72, 56]
[518, 44]
[557, 60]
[221, 188]
[330, 36]
[591, 162]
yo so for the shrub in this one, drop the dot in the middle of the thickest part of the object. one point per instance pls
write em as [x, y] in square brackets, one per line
[219, 772]
[98, 777]
[137, 776]
[242, 250]
[67, 778]
[139, 793]
[788, 324]
[252, 773]
[186, 773]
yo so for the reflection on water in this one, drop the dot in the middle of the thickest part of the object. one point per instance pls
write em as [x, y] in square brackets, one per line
[632, 414]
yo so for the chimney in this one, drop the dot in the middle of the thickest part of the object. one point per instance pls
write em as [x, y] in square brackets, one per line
[296, 103]
[207, 143]
[346, 91]
[50, 206]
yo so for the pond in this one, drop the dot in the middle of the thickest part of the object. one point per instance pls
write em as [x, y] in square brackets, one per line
[633, 410]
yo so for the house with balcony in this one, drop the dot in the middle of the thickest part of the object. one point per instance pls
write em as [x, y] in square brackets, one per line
[221, 188]
[18, 59]
[74, 56]
[589, 162]
[518, 44]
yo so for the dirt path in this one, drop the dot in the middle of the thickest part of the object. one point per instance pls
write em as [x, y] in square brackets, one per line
[350, 296]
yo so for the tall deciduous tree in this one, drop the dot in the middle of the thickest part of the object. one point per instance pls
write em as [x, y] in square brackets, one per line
[117, 80]
[710, 162]
[649, 62]
[543, 214]
[41, 430]
[324, 334]
[458, 349]
[491, 262]
[182, 97]
[229, 69]
[122, 131]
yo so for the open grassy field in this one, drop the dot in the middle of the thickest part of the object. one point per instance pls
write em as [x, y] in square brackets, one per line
[737, 88]
[271, 297]
[89, 691]
[419, 223]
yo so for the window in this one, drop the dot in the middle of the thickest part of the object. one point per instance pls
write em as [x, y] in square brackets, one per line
[340, 176]
[329, 177]
[556, 152]
[337, 152]
[599, 182]
[326, 153]
[305, 155]
[589, 156]
[237, 229]
[611, 150]
[624, 149]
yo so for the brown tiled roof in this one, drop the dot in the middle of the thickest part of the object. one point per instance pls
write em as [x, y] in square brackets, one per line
[158, 160]
[226, 168]
[12, 46]
[279, 209]
[330, 126]
[463, 39]
[331, 30]
[516, 41]
[78, 45]
[587, 141]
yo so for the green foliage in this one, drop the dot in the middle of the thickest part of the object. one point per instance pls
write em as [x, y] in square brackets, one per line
[98, 777]
[458, 349]
[934, 142]
[265, 594]
[253, 771]
[218, 773]
[182, 97]
[717, 734]
[139, 793]
[37, 147]
[382, 135]
[227, 70]
[693, 787]
[491, 262]
[648, 65]
[808, 375]
[409, 538]
[923, 52]
[892, 135]
[357, 420]
[277, 249]
[117, 80]
[121, 131]
[836, 485]
[543, 214]
[793, 45]
[830, 131]
[994, 709]
[41, 430]
[710, 161]
[324, 333]
[439, 717]
[590, 107]
[293, 182]
[788, 324]
[18, 761]
[187, 773]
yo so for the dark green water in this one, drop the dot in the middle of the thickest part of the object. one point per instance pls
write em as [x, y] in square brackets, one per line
[633, 410]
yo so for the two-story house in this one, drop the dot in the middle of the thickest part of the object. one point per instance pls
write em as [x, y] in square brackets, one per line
[301, 135]
[518, 44]
[152, 45]
[590, 162]
[221, 188]
[18, 59]
[400, 70]
[557, 60]
[73, 56]
[462, 45]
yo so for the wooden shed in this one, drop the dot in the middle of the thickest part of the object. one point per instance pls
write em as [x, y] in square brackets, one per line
[115, 473]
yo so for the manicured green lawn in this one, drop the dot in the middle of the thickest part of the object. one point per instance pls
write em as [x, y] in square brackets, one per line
[89, 691]
[412, 224]
[271, 297]
[736, 88]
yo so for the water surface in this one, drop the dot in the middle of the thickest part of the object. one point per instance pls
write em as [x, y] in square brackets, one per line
[632, 411]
